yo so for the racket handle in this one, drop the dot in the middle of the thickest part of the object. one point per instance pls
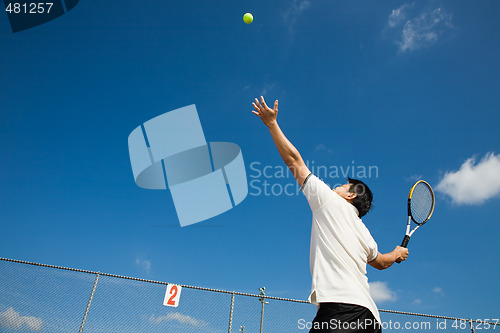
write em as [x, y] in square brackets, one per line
[405, 241]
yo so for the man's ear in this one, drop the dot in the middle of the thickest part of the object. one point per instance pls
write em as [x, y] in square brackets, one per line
[351, 196]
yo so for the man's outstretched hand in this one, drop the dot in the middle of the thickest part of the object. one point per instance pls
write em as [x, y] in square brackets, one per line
[264, 112]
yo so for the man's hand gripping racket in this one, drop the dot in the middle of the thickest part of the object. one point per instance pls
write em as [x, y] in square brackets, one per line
[421, 203]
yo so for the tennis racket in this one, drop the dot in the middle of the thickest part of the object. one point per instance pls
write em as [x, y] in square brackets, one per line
[421, 203]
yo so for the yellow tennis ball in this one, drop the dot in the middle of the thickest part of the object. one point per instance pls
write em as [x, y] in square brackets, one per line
[248, 18]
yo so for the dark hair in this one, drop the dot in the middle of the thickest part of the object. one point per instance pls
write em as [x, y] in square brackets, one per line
[364, 197]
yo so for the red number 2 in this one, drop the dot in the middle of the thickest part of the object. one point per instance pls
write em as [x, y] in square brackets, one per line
[171, 299]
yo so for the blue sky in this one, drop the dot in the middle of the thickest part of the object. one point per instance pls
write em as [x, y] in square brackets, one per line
[409, 88]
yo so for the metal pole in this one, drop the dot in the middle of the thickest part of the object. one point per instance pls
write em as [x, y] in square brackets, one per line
[231, 314]
[88, 304]
[471, 326]
[263, 301]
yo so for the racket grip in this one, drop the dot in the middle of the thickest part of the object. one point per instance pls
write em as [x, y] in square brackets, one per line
[405, 241]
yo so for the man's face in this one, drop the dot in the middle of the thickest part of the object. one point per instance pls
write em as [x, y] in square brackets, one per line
[343, 191]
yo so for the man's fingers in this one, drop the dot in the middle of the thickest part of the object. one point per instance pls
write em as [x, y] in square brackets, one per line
[257, 103]
[258, 114]
[404, 255]
[263, 101]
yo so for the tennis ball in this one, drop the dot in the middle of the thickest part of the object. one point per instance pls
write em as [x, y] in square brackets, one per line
[248, 18]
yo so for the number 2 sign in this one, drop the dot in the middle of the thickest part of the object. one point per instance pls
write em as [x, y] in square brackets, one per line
[172, 295]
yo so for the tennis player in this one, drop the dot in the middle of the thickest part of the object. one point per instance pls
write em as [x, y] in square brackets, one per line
[341, 245]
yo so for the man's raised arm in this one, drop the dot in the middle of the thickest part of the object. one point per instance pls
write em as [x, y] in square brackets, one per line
[288, 152]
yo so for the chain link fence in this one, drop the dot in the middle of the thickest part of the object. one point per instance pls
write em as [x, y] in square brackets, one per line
[45, 298]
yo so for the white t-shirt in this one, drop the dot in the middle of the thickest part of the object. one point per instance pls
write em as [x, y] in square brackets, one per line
[341, 246]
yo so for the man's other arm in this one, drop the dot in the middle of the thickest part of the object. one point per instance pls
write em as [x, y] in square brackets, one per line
[384, 261]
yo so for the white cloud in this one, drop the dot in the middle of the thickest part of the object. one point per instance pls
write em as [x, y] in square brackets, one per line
[473, 183]
[11, 319]
[420, 30]
[322, 147]
[398, 15]
[179, 317]
[380, 292]
[413, 178]
[296, 9]
[417, 301]
[144, 264]
[266, 89]
[438, 290]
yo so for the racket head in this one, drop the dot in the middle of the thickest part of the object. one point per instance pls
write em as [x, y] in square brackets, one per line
[421, 202]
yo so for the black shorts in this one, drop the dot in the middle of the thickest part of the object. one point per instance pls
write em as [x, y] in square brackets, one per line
[344, 318]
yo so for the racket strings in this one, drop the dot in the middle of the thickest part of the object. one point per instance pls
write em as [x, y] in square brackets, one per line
[421, 204]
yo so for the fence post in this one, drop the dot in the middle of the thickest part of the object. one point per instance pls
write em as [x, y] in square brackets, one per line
[263, 301]
[88, 304]
[471, 325]
[231, 314]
